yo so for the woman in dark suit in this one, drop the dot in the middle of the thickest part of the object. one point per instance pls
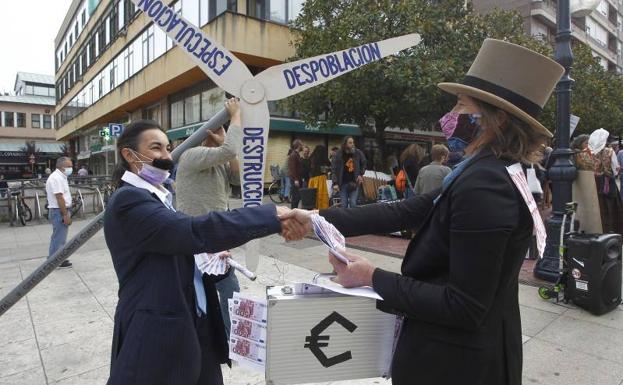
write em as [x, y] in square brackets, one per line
[168, 325]
[458, 291]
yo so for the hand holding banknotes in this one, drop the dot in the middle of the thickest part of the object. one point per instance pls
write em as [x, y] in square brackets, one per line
[358, 272]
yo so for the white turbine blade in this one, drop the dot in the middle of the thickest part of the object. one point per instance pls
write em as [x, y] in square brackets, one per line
[289, 79]
[221, 66]
[252, 160]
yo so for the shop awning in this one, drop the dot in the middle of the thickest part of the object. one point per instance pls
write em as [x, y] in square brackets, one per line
[278, 124]
[18, 145]
[50, 147]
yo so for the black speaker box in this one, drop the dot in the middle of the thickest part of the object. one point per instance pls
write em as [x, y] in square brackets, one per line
[594, 271]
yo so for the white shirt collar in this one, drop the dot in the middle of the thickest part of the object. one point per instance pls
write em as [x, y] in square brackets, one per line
[58, 170]
[163, 194]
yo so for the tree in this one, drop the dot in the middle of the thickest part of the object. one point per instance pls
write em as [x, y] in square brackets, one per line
[401, 91]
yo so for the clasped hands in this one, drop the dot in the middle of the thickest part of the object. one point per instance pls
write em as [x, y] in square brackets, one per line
[295, 224]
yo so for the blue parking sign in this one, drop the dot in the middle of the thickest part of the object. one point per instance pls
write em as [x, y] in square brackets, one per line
[115, 129]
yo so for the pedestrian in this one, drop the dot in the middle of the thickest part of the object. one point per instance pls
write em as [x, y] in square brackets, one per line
[347, 169]
[4, 186]
[168, 327]
[305, 166]
[295, 171]
[410, 159]
[203, 185]
[83, 173]
[59, 205]
[431, 177]
[286, 182]
[610, 206]
[319, 165]
[458, 286]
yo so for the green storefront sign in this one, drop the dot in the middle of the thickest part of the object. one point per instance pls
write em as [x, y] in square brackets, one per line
[280, 124]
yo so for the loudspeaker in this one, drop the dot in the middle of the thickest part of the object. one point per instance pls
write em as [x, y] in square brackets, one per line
[594, 271]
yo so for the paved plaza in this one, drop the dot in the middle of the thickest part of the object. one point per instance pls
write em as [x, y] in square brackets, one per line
[61, 332]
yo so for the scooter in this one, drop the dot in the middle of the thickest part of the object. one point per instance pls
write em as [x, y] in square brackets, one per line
[555, 291]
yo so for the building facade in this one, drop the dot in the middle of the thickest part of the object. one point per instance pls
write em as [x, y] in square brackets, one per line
[114, 66]
[27, 136]
[602, 30]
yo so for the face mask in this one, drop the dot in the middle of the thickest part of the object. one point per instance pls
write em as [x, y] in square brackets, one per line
[448, 123]
[457, 144]
[149, 173]
[68, 171]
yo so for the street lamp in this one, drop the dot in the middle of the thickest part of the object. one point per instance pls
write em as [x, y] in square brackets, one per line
[562, 171]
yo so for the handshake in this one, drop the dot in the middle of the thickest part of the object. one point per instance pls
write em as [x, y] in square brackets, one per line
[295, 224]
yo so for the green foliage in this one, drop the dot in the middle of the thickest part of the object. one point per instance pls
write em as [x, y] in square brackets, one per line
[401, 91]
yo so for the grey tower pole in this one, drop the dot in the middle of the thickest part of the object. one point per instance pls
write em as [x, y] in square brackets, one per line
[98, 222]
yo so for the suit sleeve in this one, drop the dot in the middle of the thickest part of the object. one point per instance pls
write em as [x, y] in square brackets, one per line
[484, 213]
[160, 230]
[381, 217]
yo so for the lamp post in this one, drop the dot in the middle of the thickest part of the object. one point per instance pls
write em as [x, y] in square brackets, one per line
[562, 171]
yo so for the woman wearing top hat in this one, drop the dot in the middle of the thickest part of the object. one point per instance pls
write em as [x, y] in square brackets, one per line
[458, 288]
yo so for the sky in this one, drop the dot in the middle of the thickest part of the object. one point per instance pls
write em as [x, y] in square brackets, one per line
[27, 32]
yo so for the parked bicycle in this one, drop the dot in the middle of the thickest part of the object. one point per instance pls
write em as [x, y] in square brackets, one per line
[20, 211]
[275, 190]
[77, 203]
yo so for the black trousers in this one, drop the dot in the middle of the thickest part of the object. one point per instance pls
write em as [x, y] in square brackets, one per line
[295, 195]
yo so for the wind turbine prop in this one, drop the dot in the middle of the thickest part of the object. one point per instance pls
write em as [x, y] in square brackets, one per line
[232, 75]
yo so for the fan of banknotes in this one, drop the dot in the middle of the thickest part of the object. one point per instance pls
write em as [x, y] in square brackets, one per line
[211, 264]
[330, 236]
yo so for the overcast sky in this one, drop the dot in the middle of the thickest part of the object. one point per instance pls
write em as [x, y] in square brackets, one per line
[27, 32]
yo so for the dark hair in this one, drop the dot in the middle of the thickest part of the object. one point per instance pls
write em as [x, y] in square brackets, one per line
[412, 151]
[296, 144]
[130, 138]
[318, 157]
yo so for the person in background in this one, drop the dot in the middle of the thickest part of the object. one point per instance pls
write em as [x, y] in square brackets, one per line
[305, 166]
[347, 169]
[286, 182]
[610, 205]
[59, 205]
[319, 165]
[204, 175]
[83, 173]
[431, 177]
[295, 170]
[332, 153]
[47, 172]
[620, 159]
[411, 158]
[3, 186]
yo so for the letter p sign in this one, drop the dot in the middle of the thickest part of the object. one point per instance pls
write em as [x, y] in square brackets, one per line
[115, 129]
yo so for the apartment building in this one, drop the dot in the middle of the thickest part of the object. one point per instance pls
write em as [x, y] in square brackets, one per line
[602, 30]
[114, 66]
[27, 137]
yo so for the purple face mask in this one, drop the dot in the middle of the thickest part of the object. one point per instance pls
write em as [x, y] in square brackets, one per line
[149, 173]
[448, 123]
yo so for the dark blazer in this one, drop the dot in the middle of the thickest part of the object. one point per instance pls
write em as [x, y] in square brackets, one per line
[459, 284]
[158, 337]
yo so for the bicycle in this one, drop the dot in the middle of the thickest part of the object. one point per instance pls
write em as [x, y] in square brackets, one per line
[275, 192]
[22, 212]
[77, 201]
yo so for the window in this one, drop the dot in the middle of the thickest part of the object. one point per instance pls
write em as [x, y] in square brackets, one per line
[190, 11]
[107, 28]
[191, 109]
[40, 91]
[113, 71]
[47, 121]
[35, 120]
[294, 8]
[128, 62]
[29, 90]
[121, 12]
[8, 119]
[21, 119]
[177, 114]
[148, 46]
[211, 102]
[76, 30]
[84, 17]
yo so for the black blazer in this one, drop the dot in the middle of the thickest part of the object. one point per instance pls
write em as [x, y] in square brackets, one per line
[158, 337]
[459, 284]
